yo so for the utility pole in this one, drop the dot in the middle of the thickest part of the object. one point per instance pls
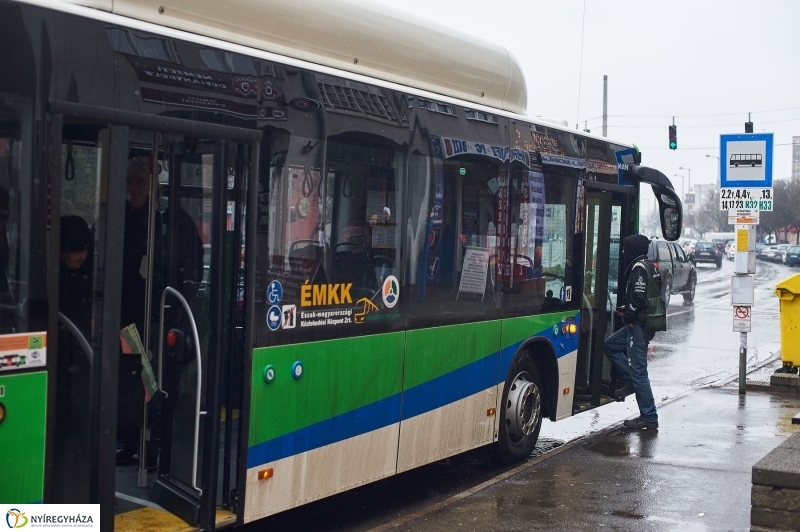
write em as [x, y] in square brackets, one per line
[605, 106]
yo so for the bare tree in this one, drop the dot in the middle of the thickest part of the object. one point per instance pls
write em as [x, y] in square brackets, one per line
[785, 207]
[709, 217]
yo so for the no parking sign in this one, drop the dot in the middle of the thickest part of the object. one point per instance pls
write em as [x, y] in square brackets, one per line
[741, 319]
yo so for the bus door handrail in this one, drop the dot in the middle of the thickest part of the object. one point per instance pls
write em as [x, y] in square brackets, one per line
[197, 413]
[78, 335]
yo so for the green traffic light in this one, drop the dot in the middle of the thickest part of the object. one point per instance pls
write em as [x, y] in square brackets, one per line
[673, 145]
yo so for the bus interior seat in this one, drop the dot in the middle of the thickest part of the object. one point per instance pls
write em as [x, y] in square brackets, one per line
[351, 265]
[308, 255]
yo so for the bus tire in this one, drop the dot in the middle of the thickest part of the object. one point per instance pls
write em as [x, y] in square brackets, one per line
[520, 411]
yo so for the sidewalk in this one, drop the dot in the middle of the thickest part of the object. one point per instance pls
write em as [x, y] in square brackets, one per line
[692, 474]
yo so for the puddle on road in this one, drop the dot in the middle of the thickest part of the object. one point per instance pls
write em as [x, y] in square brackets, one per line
[545, 445]
[629, 515]
[611, 447]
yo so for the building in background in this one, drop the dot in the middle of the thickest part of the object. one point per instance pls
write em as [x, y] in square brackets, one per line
[795, 157]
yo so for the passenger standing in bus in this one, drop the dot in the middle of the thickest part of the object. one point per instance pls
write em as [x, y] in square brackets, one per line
[627, 348]
[8, 315]
[75, 275]
[189, 254]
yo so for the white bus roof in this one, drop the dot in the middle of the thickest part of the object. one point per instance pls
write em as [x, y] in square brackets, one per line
[352, 35]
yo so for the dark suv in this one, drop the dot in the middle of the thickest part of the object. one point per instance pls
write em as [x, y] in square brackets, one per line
[705, 251]
[678, 273]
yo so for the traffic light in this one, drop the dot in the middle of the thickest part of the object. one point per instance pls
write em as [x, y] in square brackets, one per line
[748, 127]
[673, 137]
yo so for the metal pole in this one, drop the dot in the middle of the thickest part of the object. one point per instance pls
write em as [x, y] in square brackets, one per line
[605, 106]
[151, 226]
[742, 363]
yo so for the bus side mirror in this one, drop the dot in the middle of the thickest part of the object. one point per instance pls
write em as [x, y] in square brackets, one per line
[670, 212]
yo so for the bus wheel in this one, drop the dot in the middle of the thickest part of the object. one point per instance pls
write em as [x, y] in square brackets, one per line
[521, 411]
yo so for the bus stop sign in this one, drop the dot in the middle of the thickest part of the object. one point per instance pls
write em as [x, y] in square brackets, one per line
[745, 160]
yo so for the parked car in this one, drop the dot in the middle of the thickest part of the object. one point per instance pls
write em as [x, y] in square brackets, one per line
[730, 251]
[779, 253]
[688, 245]
[677, 269]
[722, 245]
[766, 252]
[792, 256]
[706, 251]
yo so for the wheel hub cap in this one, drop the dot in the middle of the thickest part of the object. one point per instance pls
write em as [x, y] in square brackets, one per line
[523, 408]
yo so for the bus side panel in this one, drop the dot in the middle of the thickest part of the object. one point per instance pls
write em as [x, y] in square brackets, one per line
[548, 326]
[333, 428]
[449, 386]
[22, 433]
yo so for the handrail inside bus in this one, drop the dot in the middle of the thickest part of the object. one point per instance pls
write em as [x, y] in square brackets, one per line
[197, 413]
[78, 335]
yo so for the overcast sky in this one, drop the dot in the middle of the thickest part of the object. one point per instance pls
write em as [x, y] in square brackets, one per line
[681, 58]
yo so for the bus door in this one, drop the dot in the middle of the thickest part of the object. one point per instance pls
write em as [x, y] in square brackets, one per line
[606, 217]
[195, 260]
[152, 330]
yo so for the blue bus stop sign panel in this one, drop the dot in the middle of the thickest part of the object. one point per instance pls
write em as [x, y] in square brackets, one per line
[745, 160]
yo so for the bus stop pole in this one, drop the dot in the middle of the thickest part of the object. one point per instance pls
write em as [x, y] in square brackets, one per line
[742, 363]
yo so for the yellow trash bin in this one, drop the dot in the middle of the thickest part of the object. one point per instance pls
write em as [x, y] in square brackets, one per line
[788, 291]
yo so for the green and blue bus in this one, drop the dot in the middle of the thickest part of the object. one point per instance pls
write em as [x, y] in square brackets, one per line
[257, 253]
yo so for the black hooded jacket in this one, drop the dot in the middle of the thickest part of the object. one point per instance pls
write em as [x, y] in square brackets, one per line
[635, 248]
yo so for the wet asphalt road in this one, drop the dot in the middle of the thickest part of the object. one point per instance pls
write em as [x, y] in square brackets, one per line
[698, 349]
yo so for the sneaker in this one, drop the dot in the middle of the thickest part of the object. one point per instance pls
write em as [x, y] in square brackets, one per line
[624, 392]
[640, 424]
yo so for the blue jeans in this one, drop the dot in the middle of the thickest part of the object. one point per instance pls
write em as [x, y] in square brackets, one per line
[627, 351]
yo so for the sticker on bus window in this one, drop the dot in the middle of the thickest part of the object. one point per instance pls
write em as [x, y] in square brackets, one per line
[317, 318]
[390, 291]
[20, 351]
[289, 316]
[568, 293]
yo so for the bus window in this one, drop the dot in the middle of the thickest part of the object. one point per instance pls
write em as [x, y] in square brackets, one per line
[333, 239]
[542, 211]
[362, 234]
[456, 265]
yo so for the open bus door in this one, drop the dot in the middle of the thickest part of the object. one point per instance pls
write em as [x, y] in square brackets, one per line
[185, 246]
[608, 212]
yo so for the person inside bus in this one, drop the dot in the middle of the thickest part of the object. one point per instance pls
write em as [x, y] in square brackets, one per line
[74, 362]
[8, 314]
[189, 255]
[627, 348]
[75, 273]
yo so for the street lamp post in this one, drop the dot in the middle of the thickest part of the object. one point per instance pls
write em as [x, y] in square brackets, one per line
[690, 176]
[683, 197]
[718, 163]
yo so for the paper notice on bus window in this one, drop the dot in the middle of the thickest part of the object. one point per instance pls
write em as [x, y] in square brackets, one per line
[473, 273]
[383, 236]
[21, 351]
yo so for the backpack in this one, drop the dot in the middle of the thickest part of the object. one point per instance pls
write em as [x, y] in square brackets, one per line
[654, 316]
